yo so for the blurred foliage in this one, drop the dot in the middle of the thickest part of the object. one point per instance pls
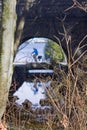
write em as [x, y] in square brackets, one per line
[54, 52]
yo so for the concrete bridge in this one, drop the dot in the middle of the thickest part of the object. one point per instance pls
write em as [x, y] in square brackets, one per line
[43, 20]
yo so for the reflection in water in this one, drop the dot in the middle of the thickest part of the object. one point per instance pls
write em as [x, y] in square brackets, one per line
[33, 92]
[39, 52]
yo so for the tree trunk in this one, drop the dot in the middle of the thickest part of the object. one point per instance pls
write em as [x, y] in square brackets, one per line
[21, 23]
[6, 54]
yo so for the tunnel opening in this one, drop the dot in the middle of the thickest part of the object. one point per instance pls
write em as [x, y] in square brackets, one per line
[43, 19]
[33, 77]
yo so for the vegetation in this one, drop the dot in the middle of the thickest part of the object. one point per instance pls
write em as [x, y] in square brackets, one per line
[54, 51]
[67, 96]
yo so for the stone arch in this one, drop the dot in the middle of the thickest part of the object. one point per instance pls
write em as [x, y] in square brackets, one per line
[43, 20]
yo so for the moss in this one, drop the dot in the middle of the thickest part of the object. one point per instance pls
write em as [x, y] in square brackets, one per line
[0, 47]
[6, 11]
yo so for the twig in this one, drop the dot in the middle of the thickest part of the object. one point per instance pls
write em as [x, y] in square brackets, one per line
[78, 58]
[79, 46]
[77, 4]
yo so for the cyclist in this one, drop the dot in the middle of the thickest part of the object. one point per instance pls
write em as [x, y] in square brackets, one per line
[35, 54]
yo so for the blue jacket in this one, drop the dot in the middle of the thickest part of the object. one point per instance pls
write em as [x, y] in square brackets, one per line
[35, 51]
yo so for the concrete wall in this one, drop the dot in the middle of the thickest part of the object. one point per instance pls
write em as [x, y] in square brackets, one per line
[43, 20]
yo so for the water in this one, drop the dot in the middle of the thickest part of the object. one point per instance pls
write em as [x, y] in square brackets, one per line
[32, 91]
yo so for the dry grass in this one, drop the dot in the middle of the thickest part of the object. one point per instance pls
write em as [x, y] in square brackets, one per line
[67, 96]
[70, 96]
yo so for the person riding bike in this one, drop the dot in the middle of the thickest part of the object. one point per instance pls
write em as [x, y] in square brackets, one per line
[35, 54]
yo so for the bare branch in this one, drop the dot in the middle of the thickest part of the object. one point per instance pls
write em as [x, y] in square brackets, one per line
[78, 58]
[76, 4]
[79, 46]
